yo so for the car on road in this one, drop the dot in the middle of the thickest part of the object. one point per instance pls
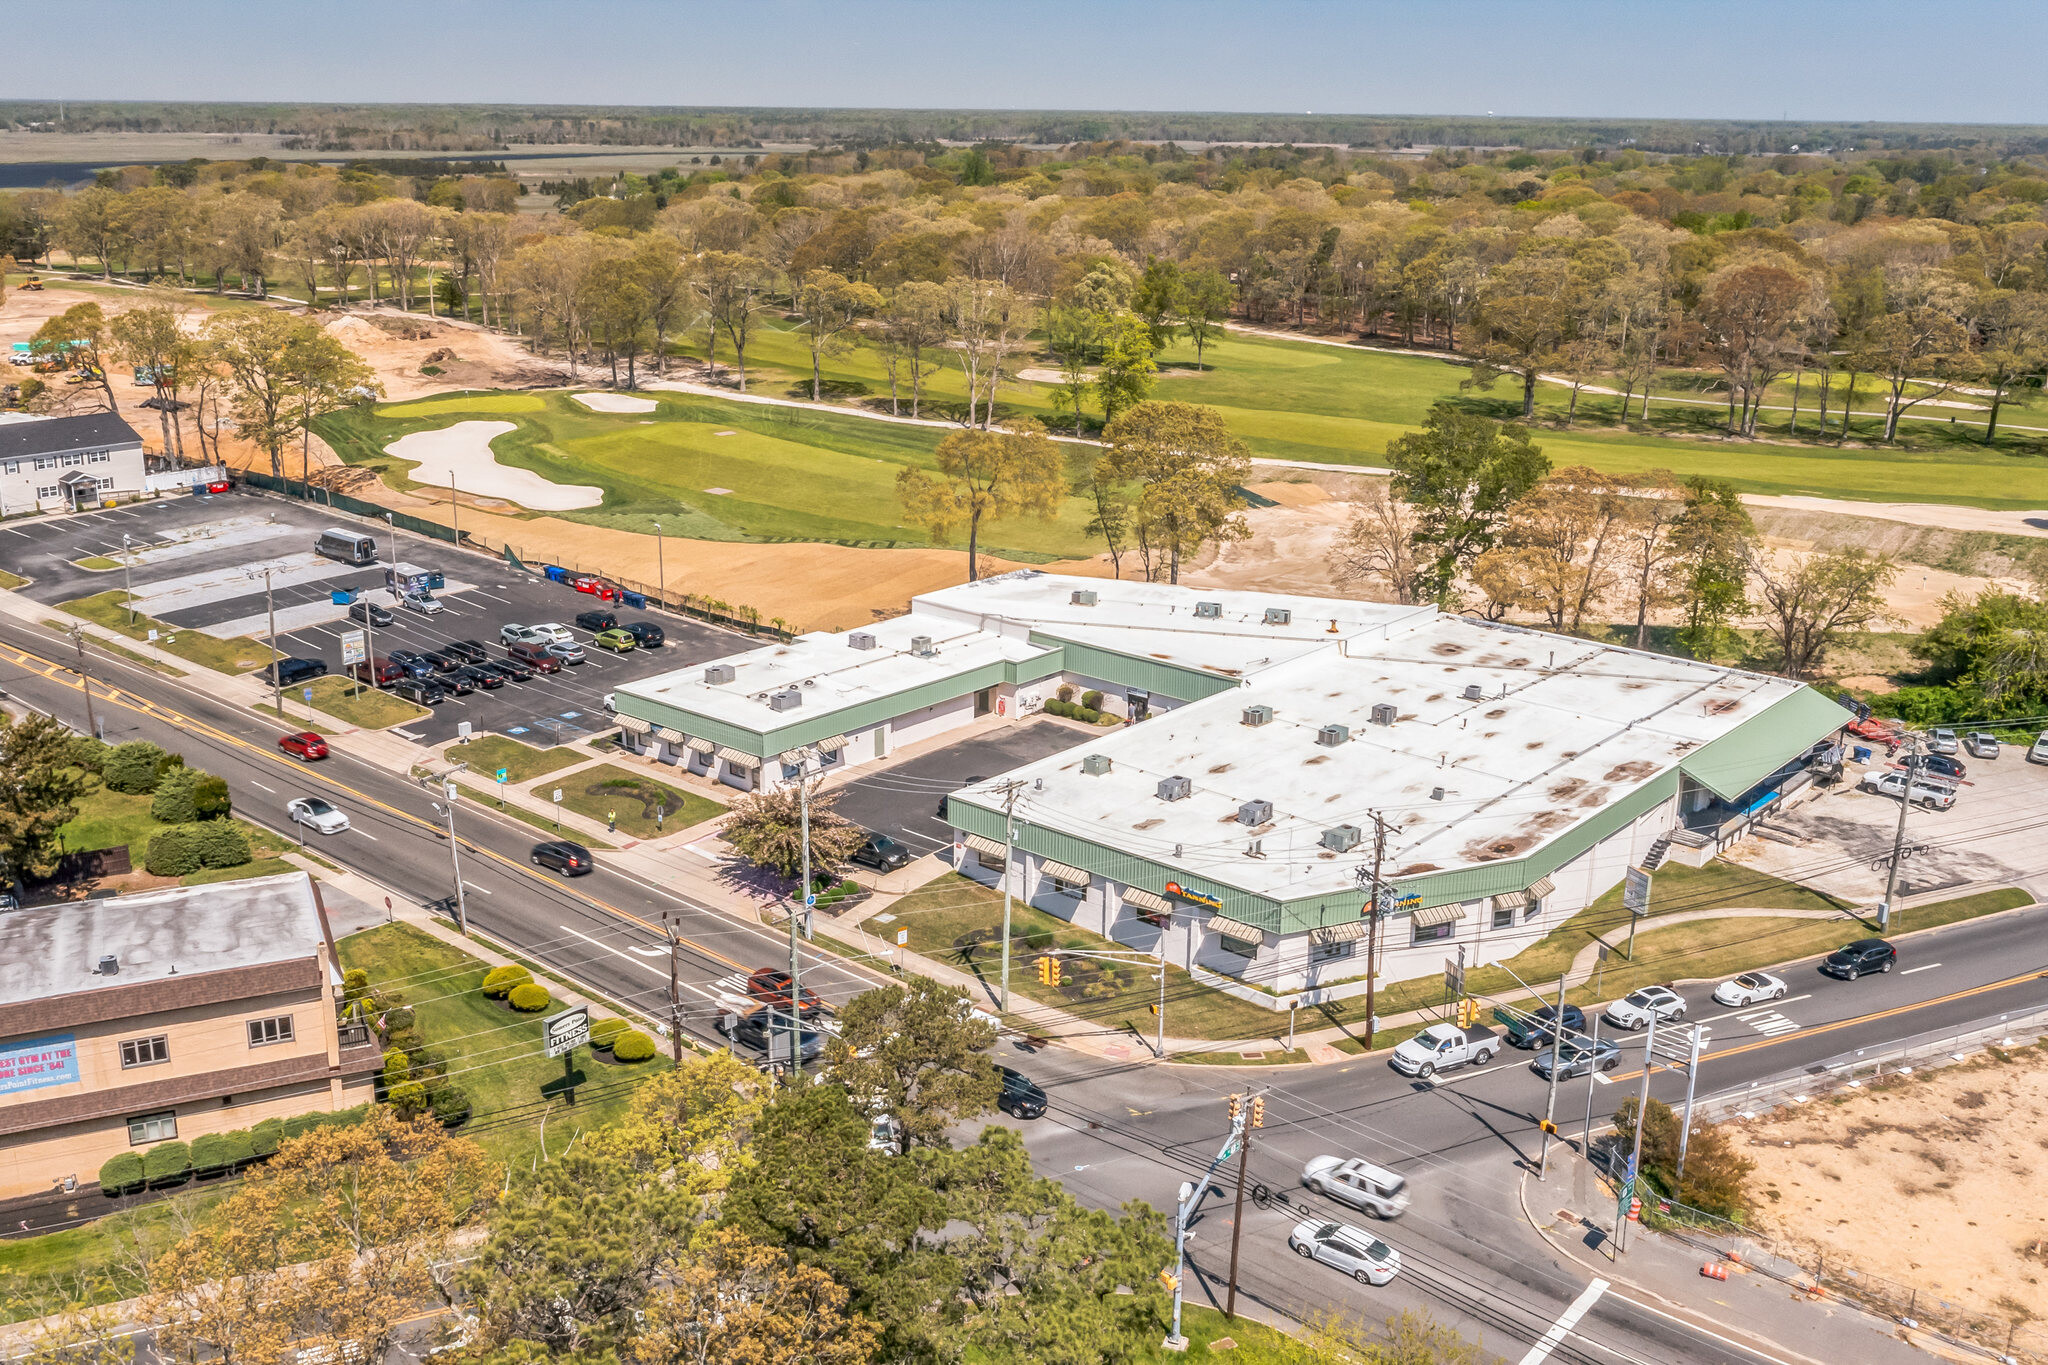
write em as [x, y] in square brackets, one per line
[420, 691]
[480, 675]
[1378, 1192]
[881, 853]
[1531, 1028]
[510, 669]
[646, 632]
[1942, 740]
[1748, 989]
[753, 1029]
[1020, 1097]
[370, 614]
[1931, 792]
[304, 746]
[596, 620]
[469, 651]
[1356, 1252]
[534, 656]
[1443, 1046]
[617, 641]
[1578, 1056]
[570, 653]
[413, 662]
[1636, 1009]
[770, 986]
[571, 860]
[1981, 744]
[311, 810]
[2039, 752]
[291, 672]
[1861, 958]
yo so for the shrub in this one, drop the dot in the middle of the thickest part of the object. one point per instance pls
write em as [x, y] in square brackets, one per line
[1092, 700]
[241, 1147]
[172, 853]
[90, 754]
[210, 799]
[167, 1163]
[221, 844]
[632, 1046]
[500, 981]
[122, 1173]
[211, 1154]
[408, 1099]
[529, 999]
[603, 1032]
[397, 1020]
[265, 1136]
[451, 1106]
[183, 849]
[298, 1125]
[134, 767]
[404, 1040]
[1065, 692]
[355, 984]
[172, 803]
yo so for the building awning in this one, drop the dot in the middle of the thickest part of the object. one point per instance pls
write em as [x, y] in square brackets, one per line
[1746, 754]
[1439, 914]
[669, 736]
[633, 725]
[1337, 933]
[1236, 928]
[1540, 888]
[793, 756]
[738, 759]
[1151, 902]
[698, 746]
[832, 744]
[1065, 872]
[981, 843]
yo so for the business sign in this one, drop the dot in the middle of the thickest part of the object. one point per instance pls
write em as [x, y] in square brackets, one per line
[1410, 901]
[34, 1063]
[568, 1030]
[1635, 892]
[352, 650]
[1179, 892]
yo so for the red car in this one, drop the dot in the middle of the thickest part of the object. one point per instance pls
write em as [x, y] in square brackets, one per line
[304, 746]
[217, 486]
[770, 985]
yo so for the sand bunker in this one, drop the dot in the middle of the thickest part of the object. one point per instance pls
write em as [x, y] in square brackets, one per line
[461, 455]
[615, 402]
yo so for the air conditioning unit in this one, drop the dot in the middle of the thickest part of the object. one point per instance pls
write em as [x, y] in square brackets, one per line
[1261, 714]
[1330, 736]
[110, 965]
[1474, 692]
[1383, 713]
[1255, 812]
[719, 673]
[788, 699]
[1342, 838]
[1084, 597]
[921, 646]
[860, 639]
[1209, 611]
[1278, 616]
[1175, 789]
[1094, 765]
[1436, 793]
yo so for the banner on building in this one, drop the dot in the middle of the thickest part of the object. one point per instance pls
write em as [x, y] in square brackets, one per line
[34, 1063]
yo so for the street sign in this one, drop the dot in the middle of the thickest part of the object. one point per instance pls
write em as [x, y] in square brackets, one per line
[307, 693]
[558, 796]
[352, 648]
[810, 900]
[1454, 976]
[503, 773]
[152, 635]
[902, 938]
[1635, 892]
[568, 1030]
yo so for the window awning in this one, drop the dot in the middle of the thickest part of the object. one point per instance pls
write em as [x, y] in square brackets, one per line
[1236, 928]
[738, 759]
[794, 756]
[1151, 902]
[699, 746]
[1515, 900]
[831, 744]
[1540, 888]
[634, 725]
[981, 843]
[1065, 872]
[670, 736]
[1337, 933]
[1439, 914]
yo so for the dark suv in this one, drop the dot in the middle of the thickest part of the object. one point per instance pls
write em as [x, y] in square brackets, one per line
[469, 651]
[421, 691]
[596, 620]
[1864, 956]
[414, 663]
[646, 632]
[881, 853]
[571, 860]
[1020, 1098]
[290, 671]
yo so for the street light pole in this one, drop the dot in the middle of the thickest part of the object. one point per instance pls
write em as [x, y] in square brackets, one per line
[1891, 876]
[660, 569]
[447, 812]
[127, 582]
[92, 724]
[1550, 1104]
[276, 673]
[1010, 790]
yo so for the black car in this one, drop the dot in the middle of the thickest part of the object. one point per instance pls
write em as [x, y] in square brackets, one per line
[489, 679]
[596, 620]
[1021, 1097]
[415, 664]
[420, 691]
[1940, 765]
[1534, 1031]
[509, 669]
[443, 661]
[469, 651]
[646, 632]
[1864, 956]
[882, 853]
[369, 613]
[457, 683]
[290, 671]
[571, 860]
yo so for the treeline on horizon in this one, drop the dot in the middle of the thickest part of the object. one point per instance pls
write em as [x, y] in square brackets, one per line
[475, 127]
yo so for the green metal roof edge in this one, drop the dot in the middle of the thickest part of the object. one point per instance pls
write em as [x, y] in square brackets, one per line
[1730, 765]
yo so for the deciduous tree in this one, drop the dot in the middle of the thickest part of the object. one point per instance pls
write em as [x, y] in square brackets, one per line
[81, 337]
[831, 304]
[737, 1302]
[1710, 542]
[1920, 353]
[732, 286]
[766, 828]
[1378, 546]
[1810, 601]
[917, 1051]
[913, 331]
[1187, 468]
[1460, 474]
[1128, 367]
[985, 475]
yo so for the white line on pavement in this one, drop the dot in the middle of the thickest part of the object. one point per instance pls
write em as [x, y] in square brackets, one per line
[1569, 1319]
[1928, 968]
[481, 890]
[644, 966]
[1763, 1005]
[371, 837]
[254, 783]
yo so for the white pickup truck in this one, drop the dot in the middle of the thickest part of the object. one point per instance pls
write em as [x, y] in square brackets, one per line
[1443, 1046]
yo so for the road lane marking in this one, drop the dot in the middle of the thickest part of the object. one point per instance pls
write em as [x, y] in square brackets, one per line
[366, 834]
[1770, 1023]
[254, 783]
[1760, 1004]
[644, 966]
[1567, 1320]
[1928, 968]
[480, 890]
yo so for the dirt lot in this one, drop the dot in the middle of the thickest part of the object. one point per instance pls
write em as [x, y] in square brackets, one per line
[1932, 1182]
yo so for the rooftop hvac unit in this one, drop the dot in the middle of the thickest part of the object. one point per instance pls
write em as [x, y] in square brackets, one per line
[1330, 736]
[1209, 611]
[1474, 692]
[1261, 714]
[921, 646]
[1255, 812]
[1436, 793]
[719, 673]
[110, 965]
[1342, 838]
[1084, 597]
[1278, 616]
[1383, 713]
[860, 639]
[1175, 789]
[788, 699]
[1094, 765]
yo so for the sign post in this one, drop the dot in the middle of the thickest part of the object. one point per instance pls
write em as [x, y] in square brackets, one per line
[566, 1032]
[353, 653]
[1635, 894]
[558, 809]
[502, 774]
[902, 942]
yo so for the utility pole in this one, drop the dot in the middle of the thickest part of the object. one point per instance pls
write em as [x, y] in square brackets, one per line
[660, 569]
[276, 673]
[1891, 876]
[447, 813]
[1372, 930]
[1010, 790]
[1635, 1161]
[1550, 1104]
[675, 996]
[1191, 1199]
[1692, 1073]
[1159, 1047]
[127, 581]
[1586, 1136]
[803, 909]
[454, 510]
[1255, 1118]
[92, 724]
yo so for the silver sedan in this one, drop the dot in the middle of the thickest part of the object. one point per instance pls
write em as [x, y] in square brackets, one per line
[311, 810]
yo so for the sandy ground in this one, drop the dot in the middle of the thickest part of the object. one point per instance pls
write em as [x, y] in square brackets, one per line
[1934, 1183]
[481, 359]
[2031, 523]
[460, 456]
[616, 402]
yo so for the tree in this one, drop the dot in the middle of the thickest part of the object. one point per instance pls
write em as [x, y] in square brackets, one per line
[1127, 365]
[92, 223]
[1647, 548]
[261, 351]
[322, 376]
[1991, 653]
[1559, 541]
[1116, 506]
[766, 828]
[1073, 338]
[1749, 318]
[663, 276]
[620, 311]
[738, 1301]
[831, 304]
[1187, 468]
[1160, 300]
[985, 475]
[1920, 349]
[1710, 540]
[81, 337]
[2015, 332]
[913, 331]
[1812, 601]
[1205, 300]
[1524, 317]
[1716, 1174]
[1460, 474]
[916, 1051]
[1378, 544]
[732, 286]
[151, 338]
[39, 789]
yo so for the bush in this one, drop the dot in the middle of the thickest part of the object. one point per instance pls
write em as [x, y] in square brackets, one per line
[134, 767]
[167, 1163]
[500, 981]
[406, 1040]
[355, 984]
[265, 1136]
[90, 754]
[408, 1099]
[122, 1174]
[210, 799]
[632, 1046]
[1092, 700]
[183, 849]
[1073, 712]
[530, 998]
[604, 1032]
[241, 1147]
[211, 1154]
[451, 1106]
[172, 803]
[397, 1067]
[1065, 692]
[298, 1125]
[397, 1020]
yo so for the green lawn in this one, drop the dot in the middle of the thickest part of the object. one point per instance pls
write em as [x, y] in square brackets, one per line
[109, 818]
[596, 793]
[134, 656]
[338, 697]
[97, 563]
[11, 581]
[238, 655]
[487, 754]
[547, 824]
[97, 1259]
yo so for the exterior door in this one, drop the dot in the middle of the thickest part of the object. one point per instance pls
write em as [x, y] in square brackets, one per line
[984, 701]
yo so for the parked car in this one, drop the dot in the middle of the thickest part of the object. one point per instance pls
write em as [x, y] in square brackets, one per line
[420, 691]
[1442, 1046]
[1861, 958]
[425, 603]
[553, 633]
[534, 656]
[1636, 1009]
[1749, 989]
[770, 986]
[291, 672]
[311, 810]
[469, 651]
[1939, 765]
[1020, 1098]
[1578, 1056]
[382, 674]
[646, 632]
[481, 675]
[1941, 740]
[369, 613]
[1378, 1192]
[304, 746]
[1531, 1028]
[546, 633]
[753, 1029]
[511, 669]
[441, 659]
[217, 486]
[617, 641]
[412, 662]
[1356, 1252]
[570, 653]
[1930, 792]
[1981, 744]
[881, 853]
[594, 585]
[457, 683]
[596, 620]
[2039, 752]
[571, 860]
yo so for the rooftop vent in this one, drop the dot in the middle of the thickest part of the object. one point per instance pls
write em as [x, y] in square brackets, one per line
[1261, 714]
[788, 699]
[1084, 597]
[1330, 736]
[1278, 616]
[719, 673]
[1255, 812]
[1094, 765]
[860, 639]
[1436, 793]
[921, 646]
[1342, 838]
[1474, 692]
[110, 965]
[1209, 611]
[1175, 789]
[1383, 713]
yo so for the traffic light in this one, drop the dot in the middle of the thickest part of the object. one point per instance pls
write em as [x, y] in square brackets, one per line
[1154, 1009]
[1547, 1126]
[1236, 1108]
[1170, 1280]
[1049, 970]
[1258, 1111]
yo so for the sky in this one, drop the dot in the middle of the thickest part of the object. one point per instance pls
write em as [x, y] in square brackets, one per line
[1919, 61]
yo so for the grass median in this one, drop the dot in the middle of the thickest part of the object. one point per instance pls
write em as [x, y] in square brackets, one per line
[607, 790]
[337, 697]
[109, 609]
[521, 762]
[107, 819]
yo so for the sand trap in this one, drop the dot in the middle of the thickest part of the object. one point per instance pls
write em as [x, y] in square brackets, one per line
[461, 455]
[615, 402]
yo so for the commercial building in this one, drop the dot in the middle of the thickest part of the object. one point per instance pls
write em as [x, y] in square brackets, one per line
[170, 1014]
[66, 464]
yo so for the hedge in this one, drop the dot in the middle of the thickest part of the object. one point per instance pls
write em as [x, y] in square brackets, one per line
[604, 1032]
[167, 1163]
[451, 1106]
[499, 981]
[397, 1019]
[1091, 700]
[1087, 713]
[135, 767]
[187, 794]
[182, 849]
[122, 1174]
[265, 1136]
[90, 754]
[408, 1099]
[530, 998]
[632, 1046]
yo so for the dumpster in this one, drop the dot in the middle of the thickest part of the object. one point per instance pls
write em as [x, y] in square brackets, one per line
[343, 596]
[557, 574]
[635, 600]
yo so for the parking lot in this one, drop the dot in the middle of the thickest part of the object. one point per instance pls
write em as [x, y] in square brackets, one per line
[198, 562]
[903, 801]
